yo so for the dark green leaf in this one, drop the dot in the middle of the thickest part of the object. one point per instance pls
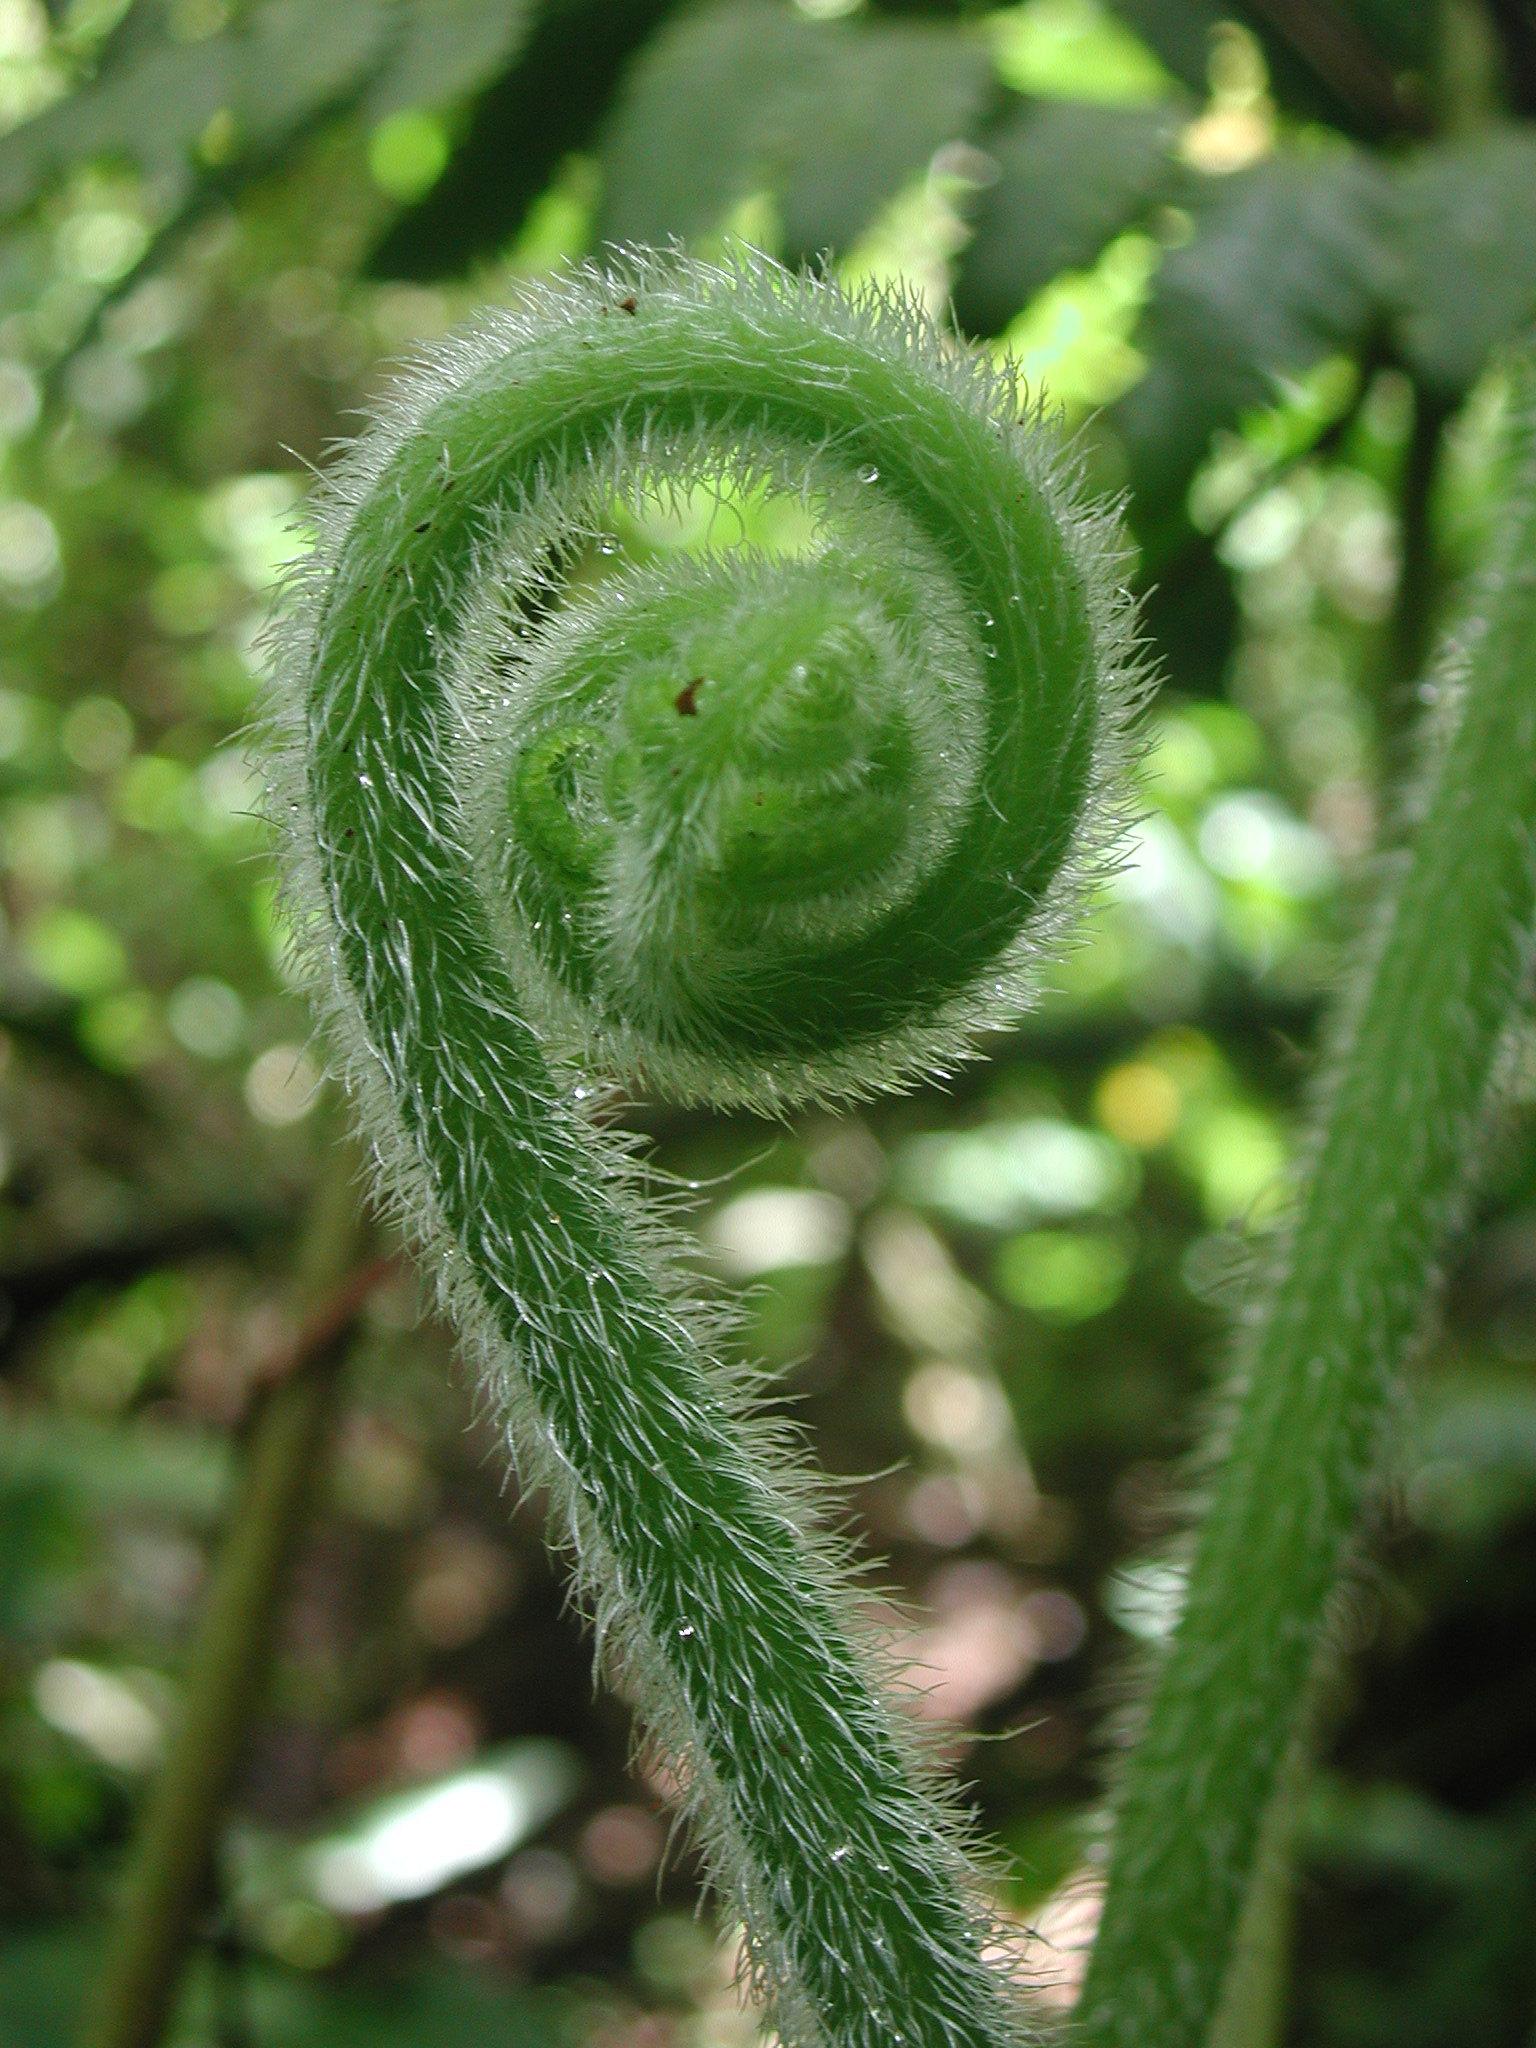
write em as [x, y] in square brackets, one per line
[1069, 178]
[1178, 31]
[1347, 61]
[1404, 31]
[150, 111]
[1467, 235]
[744, 96]
[872, 121]
[1288, 264]
[701, 116]
[1342, 61]
[1516, 22]
[448, 49]
[547, 105]
[300, 57]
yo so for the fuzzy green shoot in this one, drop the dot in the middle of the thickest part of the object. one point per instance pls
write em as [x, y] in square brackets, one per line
[746, 829]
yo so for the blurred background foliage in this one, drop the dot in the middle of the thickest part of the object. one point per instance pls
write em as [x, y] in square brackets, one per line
[1265, 257]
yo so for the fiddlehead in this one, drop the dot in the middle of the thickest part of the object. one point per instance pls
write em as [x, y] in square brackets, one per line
[749, 829]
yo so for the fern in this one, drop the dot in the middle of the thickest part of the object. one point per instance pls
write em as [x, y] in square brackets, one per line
[1403, 1098]
[757, 829]
[748, 829]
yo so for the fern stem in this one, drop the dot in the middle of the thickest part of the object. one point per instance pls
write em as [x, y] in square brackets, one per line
[170, 1861]
[1401, 1107]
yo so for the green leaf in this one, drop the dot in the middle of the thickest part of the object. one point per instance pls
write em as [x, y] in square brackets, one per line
[1466, 230]
[872, 119]
[448, 49]
[292, 60]
[1074, 50]
[1288, 264]
[150, 109]
[829, 117]
[1070, 178]
[698, 119]
[546, 106]
[300, 57]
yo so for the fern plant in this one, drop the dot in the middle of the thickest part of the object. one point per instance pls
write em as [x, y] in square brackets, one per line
[751, 830]
[757, 830]
[1410, 1081]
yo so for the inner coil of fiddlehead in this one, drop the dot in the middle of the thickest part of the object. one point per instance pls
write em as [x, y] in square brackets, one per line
[716, 780]
[746, 824]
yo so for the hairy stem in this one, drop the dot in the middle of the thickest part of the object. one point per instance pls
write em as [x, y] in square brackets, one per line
[171, 1857]
[758, 829]
[1401, 1109]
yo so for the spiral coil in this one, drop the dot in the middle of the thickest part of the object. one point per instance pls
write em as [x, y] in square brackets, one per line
[745, 827]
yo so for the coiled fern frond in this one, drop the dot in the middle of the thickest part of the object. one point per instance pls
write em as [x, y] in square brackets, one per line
[748, 828]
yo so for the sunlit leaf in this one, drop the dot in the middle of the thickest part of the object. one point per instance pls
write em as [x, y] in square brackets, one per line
[831, 117]
[1074, 50]
[153, 107]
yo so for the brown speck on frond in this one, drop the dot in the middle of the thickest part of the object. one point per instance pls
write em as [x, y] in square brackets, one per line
[687, 699]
